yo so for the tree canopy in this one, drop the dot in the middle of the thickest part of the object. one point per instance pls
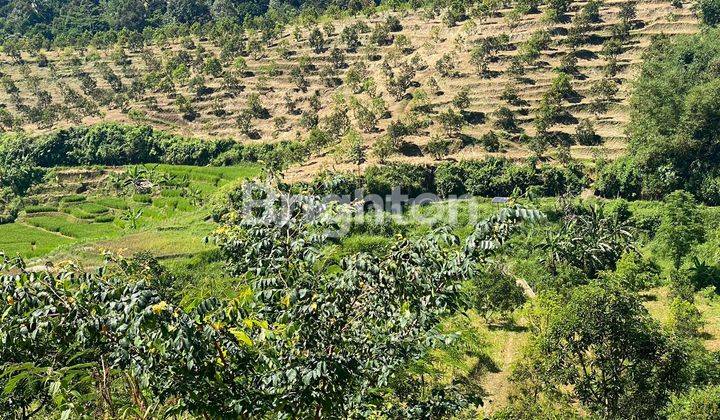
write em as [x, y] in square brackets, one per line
[675, 115]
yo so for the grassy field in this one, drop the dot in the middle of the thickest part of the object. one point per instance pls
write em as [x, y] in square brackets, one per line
[82, 226]
[29, 241]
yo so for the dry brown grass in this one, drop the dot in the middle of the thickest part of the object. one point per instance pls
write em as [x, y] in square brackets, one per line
[430, 39]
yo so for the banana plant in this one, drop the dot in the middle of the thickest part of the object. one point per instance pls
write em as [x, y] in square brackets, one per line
[134, 177]
[132, 216]
[194, 195]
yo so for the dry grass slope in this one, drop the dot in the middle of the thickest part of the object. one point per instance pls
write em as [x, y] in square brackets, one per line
[269, 74]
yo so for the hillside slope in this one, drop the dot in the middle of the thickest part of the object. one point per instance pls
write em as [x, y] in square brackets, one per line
[194, 87]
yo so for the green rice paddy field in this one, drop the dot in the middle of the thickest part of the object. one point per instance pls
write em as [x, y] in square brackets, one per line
[167, 223]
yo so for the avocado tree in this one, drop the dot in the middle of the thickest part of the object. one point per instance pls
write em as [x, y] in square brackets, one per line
[603, 349]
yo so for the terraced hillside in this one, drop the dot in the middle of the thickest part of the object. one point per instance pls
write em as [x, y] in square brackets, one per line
[491, 67]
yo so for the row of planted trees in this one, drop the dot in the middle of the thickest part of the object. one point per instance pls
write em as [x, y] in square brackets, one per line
[191, 67]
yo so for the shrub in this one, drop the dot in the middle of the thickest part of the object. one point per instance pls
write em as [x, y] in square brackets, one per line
[557, 9]
[709, 11]
[585, 134]
[18, 174]
[316, 40]
[685, 319]
[142, 198]
[484, 177]
[439, 147]
[490, 141]
[504, 119]
[621, 178]
[698, 403]
[392, 23]
[450, 180]
[510, 95]
[557, 181]
[451, 122]
[634, 272]
[462, 100]
[351, 148]
[380, 35]
[495, 292]
[413, 180]
[383, 148]
[340, 183]
[318, 139]
[682, 226]
[75, 198]
[40, 209]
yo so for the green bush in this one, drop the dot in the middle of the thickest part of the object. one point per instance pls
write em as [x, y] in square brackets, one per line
[633, 272]
[685, 319]
[340, 183]
[40, 209]
[620, 178]
[699, 403]
[76, 198]
[118, 144]
[674, 138]
[105, 218]
[450, 180]
[709, 11]
[412, 179]
[142, 198]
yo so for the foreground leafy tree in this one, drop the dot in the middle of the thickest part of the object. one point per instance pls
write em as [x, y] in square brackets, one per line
[70, 339]
[603, 349]
[343, 330]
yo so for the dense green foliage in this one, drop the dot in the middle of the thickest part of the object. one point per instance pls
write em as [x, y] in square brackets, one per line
[63, 21]
[272, 302]
[24, 159]
[317, 337]
[117, 144]
[484, 178]
[674, 136]
[703, 403]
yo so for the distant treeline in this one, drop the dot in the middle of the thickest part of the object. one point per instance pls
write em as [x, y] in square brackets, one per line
[489, 177]
[119, 144]
[78, 22]
[24, 159]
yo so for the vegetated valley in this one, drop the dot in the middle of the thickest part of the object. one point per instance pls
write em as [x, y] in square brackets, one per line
[166, 248]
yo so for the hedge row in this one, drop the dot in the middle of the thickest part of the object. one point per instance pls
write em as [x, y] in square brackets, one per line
[489, 177]
[118, 144]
